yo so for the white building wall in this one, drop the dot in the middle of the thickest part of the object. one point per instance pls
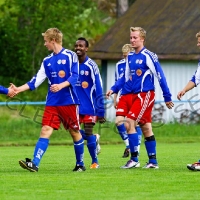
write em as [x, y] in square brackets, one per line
[177, 74]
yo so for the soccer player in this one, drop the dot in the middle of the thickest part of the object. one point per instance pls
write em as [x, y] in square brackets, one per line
[61, 69]
[138, 96]
[120, 122]
[195, 80]
[90, 92]
[7, 91]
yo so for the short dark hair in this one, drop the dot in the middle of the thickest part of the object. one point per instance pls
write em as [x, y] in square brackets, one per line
[86, 42]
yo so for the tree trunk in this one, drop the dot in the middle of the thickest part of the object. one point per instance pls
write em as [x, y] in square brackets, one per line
[122, 7]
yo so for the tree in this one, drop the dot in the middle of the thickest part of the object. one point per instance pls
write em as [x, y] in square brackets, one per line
[22, 23]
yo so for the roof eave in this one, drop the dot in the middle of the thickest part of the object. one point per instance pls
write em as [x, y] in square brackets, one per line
[178, 57]
[105, 55]
[118, 56]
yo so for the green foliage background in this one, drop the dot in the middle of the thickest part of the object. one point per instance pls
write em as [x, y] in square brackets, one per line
[21, 25]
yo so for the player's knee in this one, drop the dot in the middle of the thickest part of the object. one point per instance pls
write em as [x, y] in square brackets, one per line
[119, 120]
[88, 129]
[88, 133]
[46, 132]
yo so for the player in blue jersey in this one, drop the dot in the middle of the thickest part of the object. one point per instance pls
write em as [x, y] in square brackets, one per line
[189, 86]
[7, 91]
[137, 100]
[90, 92]
[120, 122]
[61, 69]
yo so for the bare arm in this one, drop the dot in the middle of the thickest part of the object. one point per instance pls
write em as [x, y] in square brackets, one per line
[23, 88]
[190, 85]
[115, 100]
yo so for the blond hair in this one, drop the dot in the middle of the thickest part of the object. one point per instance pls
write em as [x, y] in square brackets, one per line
[53, 33]
[127, 48]
[198, 35]
[141, 30]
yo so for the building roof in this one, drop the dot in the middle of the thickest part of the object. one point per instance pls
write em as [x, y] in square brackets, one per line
[171, 27]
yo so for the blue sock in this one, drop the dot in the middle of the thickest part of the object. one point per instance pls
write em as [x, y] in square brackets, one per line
[83, 134]
[151, 151]
[40, 149]
[123, 133]
[92, 148]
[133, 143]
[139, 132]
[79, 151]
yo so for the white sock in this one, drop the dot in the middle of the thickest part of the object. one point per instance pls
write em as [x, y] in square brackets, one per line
[126, 142]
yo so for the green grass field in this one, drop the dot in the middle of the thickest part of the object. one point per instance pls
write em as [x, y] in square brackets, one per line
[56, 181]
[177, 145]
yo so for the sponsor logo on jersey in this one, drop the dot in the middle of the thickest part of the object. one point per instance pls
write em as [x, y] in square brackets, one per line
[78, 83]
[81, 72]
[138, 61]
[53, 74]
[120, 110]
[139, 72]
[84, 84]
[63, 62]
[133, 115]
[61, 73]
[86, 73]
[132, 72]
[59, 62]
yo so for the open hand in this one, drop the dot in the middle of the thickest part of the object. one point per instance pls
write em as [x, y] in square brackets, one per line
[108, 94]
[101, 120]
[55, 88]
[180, 94]
[169, 104]
[12, 90]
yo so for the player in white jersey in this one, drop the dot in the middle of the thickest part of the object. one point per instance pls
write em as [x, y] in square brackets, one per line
[189, 86]
[61, 68]
[121, 124]
[138, 96]
[90, 93]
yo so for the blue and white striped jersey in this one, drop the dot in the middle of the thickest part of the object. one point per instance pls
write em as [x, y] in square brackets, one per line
[58, 68]
[90, 90]
[196, 76]
[119, 69]
[139, 75]
[3, 90]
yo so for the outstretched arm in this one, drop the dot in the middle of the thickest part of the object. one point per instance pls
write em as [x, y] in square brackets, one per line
[17, 90]
[190, 85]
